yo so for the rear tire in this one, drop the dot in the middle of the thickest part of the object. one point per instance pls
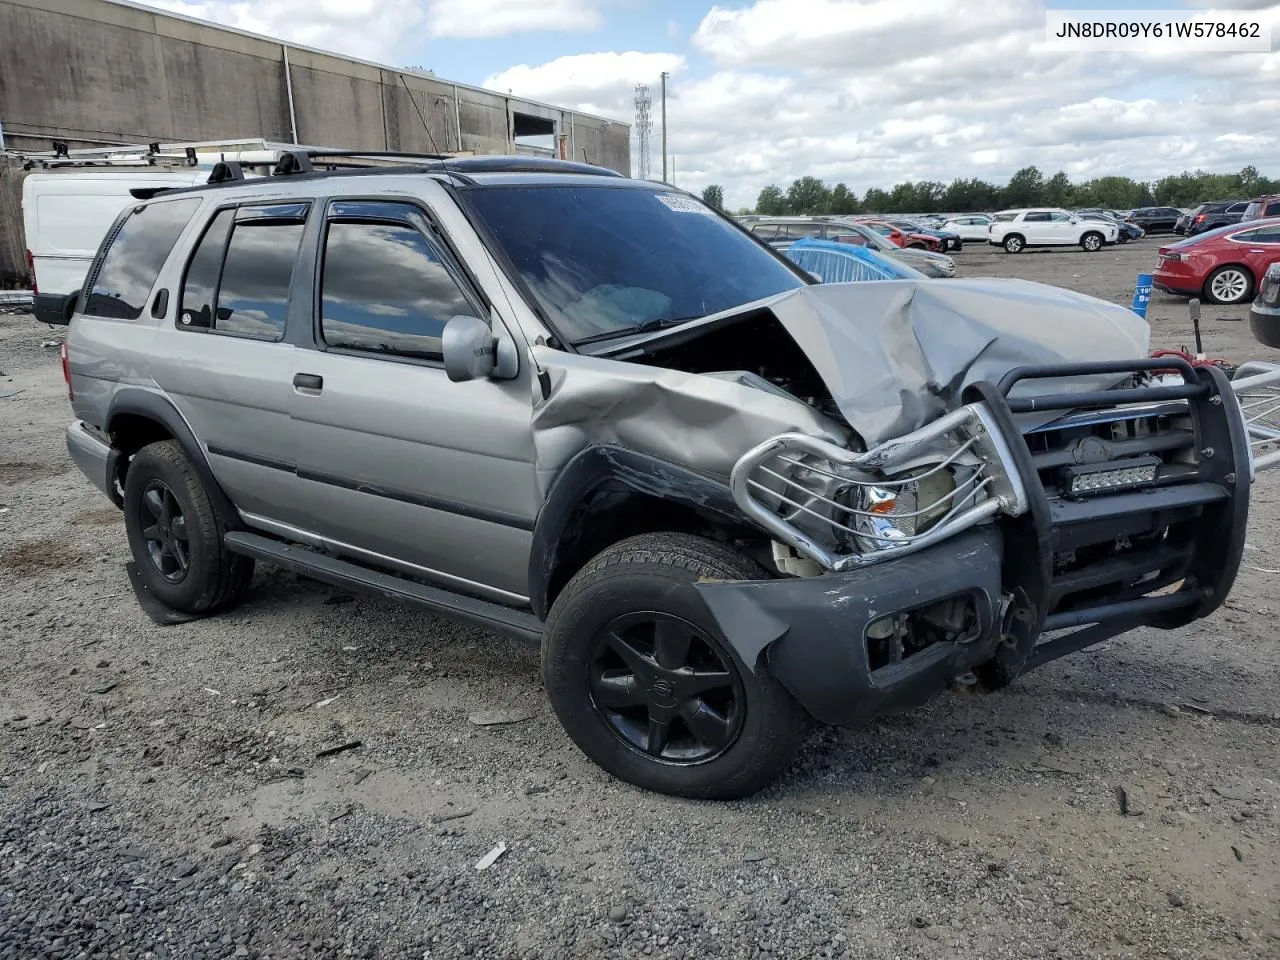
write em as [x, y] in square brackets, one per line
[175, 534]
[628, 652]
[1014, 243]
[1229, 284]
[1092, 241]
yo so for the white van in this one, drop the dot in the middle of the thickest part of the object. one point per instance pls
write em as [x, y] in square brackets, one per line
[66, 213]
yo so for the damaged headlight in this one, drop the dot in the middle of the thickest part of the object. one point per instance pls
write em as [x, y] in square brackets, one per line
[886, 516]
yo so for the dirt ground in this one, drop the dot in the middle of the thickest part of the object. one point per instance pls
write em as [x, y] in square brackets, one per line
[164, 790]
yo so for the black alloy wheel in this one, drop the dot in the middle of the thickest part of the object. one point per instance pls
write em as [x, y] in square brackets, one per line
[665, 689]
[165, 533]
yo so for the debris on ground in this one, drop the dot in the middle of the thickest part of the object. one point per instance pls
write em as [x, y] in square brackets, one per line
[340, 748]
[490, 858]
[499, 717]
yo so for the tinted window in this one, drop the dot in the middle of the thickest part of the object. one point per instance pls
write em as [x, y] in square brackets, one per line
[200, 286]
[602, 259]
[1272, 209]
[1036, 216]
[386, 288]
[765, 231]
[135, 257]
[1269, 234]
[1237, 208]
[800, 230]
[253, 295]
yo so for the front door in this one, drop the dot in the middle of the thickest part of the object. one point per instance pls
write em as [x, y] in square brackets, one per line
[400, 466]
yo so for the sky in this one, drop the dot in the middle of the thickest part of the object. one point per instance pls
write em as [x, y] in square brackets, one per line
[864, 92]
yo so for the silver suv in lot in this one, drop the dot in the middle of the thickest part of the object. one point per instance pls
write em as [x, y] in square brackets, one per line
[590, 411]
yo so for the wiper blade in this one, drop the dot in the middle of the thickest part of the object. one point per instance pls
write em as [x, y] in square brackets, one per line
[644, 326]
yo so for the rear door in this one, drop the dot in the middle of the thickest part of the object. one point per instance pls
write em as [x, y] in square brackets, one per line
[1037, 227]
[399, 465]
[221, 354]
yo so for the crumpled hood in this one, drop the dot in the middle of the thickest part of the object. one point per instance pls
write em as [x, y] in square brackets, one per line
[898, 354]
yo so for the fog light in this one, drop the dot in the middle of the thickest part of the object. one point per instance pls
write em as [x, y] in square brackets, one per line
[1096, 478]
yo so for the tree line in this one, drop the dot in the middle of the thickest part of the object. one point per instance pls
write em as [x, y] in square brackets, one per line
[1026, 188]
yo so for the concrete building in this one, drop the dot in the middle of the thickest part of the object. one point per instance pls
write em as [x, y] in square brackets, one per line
[98, 72]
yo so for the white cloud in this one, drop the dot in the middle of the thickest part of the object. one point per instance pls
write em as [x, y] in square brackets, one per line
[600, 83]
[496, 18]
[385, 30]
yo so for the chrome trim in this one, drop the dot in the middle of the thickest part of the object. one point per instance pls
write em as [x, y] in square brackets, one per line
[967, 438]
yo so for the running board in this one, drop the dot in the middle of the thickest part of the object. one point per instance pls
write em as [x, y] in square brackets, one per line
[340, 573]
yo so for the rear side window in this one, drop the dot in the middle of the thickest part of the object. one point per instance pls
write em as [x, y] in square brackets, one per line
[239, 277]
[765, 231]
[1259, 235]
[1036, 216]
[386, 286]
[134, 257]
[1004, 217]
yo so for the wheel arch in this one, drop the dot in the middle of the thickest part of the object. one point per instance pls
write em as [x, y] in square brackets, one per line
[137, 418]
[606, 494]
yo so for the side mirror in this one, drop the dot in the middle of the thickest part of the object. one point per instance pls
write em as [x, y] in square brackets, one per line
[470, 349]
[55, 308]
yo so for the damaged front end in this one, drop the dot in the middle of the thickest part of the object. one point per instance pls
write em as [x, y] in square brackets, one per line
[986, 475]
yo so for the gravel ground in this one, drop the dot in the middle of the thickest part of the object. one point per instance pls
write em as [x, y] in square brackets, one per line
[163, 790]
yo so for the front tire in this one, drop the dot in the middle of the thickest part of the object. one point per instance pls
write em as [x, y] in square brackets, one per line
[1092, 242]
[1014, 243]
[175, 534]
[646, 685]
[1229, 284]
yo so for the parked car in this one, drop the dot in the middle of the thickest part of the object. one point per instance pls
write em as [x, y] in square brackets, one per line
[1155, 219]
[1262, 207]
[834, 262]
[781, 232]
[1015, 230]
[932, 264]
[1224, 265]
[1126, 231]
[906, 239]
[591, 412]
[971, 227]
[1264, 314]
[949, 242]
[1211, 216]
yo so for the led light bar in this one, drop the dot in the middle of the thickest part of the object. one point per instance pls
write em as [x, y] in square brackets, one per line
[1086, 480]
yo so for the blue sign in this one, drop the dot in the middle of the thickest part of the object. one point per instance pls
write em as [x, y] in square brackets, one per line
[1142, 295]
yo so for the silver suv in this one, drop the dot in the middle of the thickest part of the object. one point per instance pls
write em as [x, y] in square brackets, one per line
[592, 412]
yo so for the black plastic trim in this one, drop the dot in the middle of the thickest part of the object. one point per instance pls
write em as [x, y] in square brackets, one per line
[143, 403]
[599, 466]
[253, 458]
[341, 573]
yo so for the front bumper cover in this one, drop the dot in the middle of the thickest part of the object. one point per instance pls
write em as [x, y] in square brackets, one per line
[813, 630]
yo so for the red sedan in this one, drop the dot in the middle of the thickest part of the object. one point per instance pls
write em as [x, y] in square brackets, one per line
[1224, 265]
[901, 238]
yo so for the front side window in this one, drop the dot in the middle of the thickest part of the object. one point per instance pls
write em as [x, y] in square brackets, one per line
[386, 288]
[603, 260]
[135, 256]
[1066, 218]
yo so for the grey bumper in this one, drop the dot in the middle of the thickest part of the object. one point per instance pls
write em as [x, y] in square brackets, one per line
[96, 459]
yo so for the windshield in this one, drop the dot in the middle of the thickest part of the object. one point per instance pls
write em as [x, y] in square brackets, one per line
[602, 261]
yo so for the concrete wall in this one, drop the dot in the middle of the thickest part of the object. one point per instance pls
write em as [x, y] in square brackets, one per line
[96, 72]
[91, 71]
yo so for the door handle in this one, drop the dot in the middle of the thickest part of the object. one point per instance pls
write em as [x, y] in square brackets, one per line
[308, 381]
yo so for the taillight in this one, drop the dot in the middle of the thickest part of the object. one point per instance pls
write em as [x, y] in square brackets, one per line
[1199, 218]
[66, 372]
[31, 269]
